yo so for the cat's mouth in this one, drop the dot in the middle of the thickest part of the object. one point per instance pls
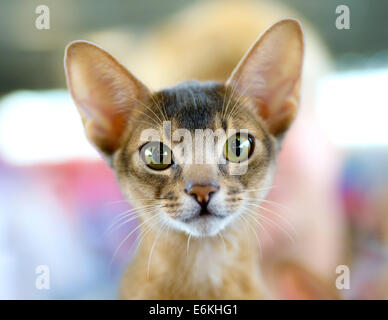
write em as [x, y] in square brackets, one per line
[203, 214]
[204, 222]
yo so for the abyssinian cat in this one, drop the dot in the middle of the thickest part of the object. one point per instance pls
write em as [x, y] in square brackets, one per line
[206, 40]
[199, 239]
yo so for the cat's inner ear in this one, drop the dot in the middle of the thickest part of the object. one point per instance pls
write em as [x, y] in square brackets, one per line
[269, 74]
[105, 93]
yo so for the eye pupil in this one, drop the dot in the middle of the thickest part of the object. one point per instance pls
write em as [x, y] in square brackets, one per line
[238, 148]
[156, 155]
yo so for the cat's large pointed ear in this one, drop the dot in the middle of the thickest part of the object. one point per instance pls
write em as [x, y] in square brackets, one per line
[269, 74]
[104, 91]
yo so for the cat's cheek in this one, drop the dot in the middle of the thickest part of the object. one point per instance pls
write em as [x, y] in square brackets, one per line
[217, 205]
[189, 208]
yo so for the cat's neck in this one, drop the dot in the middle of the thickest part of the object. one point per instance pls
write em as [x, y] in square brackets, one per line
[178, 266]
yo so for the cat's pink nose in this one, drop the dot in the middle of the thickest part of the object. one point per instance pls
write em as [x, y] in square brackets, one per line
[202, 192]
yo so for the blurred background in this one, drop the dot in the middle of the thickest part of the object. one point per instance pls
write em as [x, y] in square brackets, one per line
[57, 196]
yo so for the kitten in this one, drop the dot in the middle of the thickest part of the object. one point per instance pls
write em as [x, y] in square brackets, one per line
[198, 219]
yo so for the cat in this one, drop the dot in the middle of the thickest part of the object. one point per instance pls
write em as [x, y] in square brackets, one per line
[198, 220]
[205, 40]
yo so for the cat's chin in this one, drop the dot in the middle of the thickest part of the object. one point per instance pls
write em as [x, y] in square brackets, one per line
[202, 226]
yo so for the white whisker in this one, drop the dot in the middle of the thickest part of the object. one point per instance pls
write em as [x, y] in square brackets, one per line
[277, 225]
[284, 219]
[152, 248]
[188, 245]
[132, 232]
[129, 213]
[257, 237]
[252, 216]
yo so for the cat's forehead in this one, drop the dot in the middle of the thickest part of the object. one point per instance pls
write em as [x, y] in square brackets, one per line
[193, 104]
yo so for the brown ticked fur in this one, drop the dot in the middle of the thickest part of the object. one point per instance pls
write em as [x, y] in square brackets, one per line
[207, 269]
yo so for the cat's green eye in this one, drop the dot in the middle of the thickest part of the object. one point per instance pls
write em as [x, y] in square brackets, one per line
[156, 155]
[238, 147]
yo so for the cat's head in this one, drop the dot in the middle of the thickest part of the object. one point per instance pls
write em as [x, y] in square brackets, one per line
[152, 140]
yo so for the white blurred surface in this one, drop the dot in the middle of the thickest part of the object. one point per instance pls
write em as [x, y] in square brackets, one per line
[41, 126]
[352, 108]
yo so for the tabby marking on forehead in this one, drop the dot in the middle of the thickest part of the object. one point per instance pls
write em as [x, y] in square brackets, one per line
[193, 104]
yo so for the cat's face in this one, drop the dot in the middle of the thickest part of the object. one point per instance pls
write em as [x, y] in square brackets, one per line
[196, 156]
[198, 187]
